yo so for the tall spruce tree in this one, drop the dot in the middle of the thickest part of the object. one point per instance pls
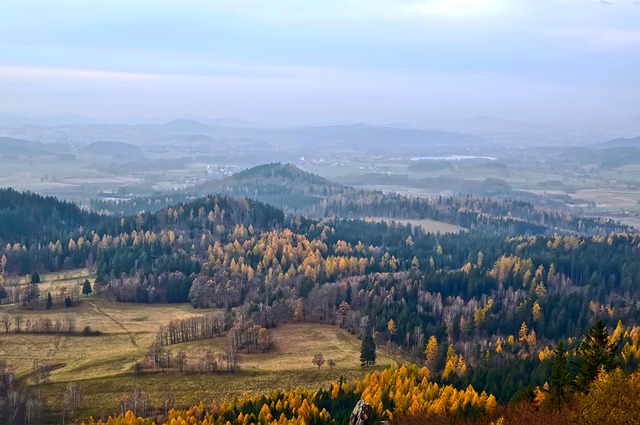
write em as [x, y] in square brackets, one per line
[596, 352]
[368, 351]
[86, 287]
[560, 382]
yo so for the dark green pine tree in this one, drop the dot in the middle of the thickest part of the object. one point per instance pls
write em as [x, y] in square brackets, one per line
[560, 381]
[86, 287]
[596, 352]
[368, 351]
[49, 300]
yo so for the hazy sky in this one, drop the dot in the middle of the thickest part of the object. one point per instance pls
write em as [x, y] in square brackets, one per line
[548, 61]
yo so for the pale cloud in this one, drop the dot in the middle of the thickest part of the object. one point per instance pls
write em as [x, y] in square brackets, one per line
[458, 8]
[603, 38]
[37, 73]
[335, 59]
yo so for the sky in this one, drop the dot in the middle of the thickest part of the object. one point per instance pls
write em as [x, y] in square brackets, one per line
[554, 62]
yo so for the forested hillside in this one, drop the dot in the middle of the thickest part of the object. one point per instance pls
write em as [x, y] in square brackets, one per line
[299, 192]
[481, 308]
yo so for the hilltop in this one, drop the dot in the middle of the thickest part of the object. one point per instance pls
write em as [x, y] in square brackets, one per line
[299, 192]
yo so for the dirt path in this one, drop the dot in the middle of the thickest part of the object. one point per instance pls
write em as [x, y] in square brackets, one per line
[131, 337]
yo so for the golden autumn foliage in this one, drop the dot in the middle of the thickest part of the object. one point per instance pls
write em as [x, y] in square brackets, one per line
[404, 391]
[613, 398]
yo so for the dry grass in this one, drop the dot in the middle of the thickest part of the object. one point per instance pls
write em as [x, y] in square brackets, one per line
[287, 366]
[55, 281]
[127, 331]
[428, 225]
[103, 365]
[294, 345]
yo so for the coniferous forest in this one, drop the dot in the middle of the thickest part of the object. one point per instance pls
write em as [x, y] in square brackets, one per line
[528, 313]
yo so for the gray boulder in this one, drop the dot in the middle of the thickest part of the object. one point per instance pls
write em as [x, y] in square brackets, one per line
[361, 414]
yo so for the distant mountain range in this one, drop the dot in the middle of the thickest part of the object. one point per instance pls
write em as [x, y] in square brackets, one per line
[478, 133]
[633, 142]
[14, 120]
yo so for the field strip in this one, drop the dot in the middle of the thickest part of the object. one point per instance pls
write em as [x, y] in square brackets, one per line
[131, 337]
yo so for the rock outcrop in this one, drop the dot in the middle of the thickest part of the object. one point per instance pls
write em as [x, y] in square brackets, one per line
[361, 414]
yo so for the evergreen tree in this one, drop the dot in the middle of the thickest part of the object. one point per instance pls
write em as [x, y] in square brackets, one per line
[368, 351]
[35, 278]
[86, 287]
[49, 300]
[596, 352]
[560, 382]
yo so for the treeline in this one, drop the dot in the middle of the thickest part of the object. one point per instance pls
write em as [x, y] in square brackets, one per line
[31, 297]
[66, 244]
[481, 214]
[26, 217]
[300, 192]
[413, 393]
[239, 336]
[18, 324]
[191, 329]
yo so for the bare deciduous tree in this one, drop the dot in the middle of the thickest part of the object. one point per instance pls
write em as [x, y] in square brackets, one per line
[318, 360]
[18, 323]
[73, 397]
[167, 402]
[6, 321]
[209, 362]
[34, 408]
[181, 360]
[40, 372]
[136, 401]
[70, 319]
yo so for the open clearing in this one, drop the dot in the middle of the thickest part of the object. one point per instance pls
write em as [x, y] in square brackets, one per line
[103, 365]
[53, 282]
[428, 225]
[127, 331]
[287, 366]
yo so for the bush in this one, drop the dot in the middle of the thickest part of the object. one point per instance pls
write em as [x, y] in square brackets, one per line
[89, 332]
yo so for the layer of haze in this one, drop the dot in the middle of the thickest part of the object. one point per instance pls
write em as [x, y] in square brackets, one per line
[572, 63]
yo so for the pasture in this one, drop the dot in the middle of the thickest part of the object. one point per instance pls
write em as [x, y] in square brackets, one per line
[103, 365]
[127, 331]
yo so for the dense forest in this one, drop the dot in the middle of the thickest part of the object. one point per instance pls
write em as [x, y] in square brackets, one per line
[482, 309]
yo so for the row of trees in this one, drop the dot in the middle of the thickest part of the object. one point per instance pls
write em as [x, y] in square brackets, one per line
[41, 325]
[191, 329]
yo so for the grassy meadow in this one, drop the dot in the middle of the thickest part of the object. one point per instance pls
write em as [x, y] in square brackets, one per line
[287, 365]
[127, 330]
[54, 281]
[103, 365]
